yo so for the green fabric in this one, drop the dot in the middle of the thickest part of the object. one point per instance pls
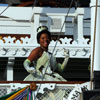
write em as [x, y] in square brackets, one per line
[59, 67]
[31, 96]
[42, 61]
[8, 95]
[28, 95]
[27, 61]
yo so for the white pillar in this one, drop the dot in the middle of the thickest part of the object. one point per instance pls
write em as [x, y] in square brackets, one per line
[34, 28]
[95, 43]
[97, 38]
[10, 68]
[78, 26]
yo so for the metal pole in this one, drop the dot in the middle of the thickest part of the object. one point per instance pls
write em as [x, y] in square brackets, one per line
[95, 40]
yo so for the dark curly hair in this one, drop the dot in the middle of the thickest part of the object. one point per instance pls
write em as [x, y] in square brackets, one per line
[41, 32]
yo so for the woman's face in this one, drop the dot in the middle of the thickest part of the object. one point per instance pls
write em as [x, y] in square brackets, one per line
[44, 40]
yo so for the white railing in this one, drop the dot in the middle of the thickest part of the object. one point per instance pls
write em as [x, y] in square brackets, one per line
[18, 49]
[50, 91]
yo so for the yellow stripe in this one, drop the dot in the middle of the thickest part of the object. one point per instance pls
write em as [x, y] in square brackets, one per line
[13, 96]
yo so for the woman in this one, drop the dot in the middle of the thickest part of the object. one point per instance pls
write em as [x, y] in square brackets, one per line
[43, 60]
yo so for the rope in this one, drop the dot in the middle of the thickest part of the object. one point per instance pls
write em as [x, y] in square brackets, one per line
[35, 3]
[62, 28]
[94, 45]
[5, 9]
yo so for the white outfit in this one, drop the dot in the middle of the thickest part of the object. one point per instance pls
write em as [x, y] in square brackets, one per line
[43, 69]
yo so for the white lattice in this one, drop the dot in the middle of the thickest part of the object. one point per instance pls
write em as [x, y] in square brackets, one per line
[14, 41]
[3, 91]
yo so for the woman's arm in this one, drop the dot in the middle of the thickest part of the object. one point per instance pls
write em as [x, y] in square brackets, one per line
[35, 54]
[27, 66]
[62, 66]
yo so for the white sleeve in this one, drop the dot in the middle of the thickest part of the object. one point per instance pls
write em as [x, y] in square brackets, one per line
[29, 69]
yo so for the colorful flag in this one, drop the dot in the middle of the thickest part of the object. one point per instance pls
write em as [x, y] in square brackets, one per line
[16, 94]
[21, 95]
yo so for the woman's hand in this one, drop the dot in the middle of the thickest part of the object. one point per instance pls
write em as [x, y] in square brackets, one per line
[31, 70]
[66, 53]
